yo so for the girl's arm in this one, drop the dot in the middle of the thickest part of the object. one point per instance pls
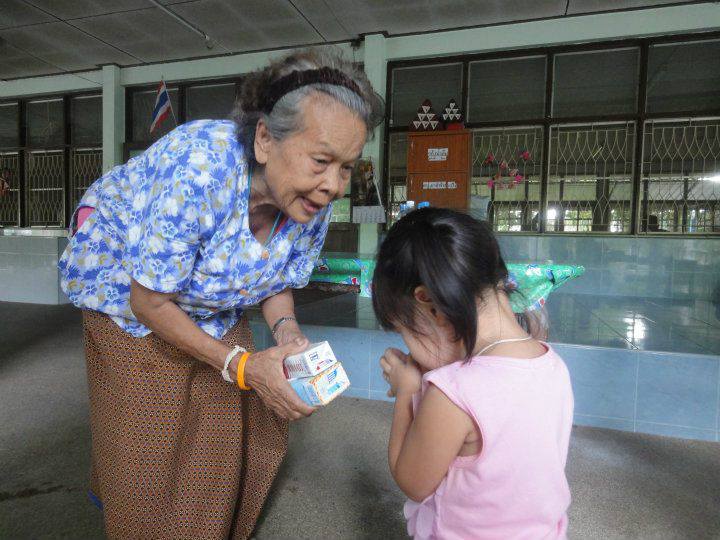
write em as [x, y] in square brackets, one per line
[422, 448]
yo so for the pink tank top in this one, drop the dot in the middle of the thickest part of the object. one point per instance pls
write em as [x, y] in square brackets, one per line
[516, 488]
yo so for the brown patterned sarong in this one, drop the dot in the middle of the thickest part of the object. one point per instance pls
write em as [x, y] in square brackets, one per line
[177, 452]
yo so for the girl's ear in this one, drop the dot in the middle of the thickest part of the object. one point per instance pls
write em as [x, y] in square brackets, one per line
[426, 305]
[421, 295]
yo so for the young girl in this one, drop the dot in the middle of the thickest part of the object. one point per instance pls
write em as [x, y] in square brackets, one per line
[483, 411]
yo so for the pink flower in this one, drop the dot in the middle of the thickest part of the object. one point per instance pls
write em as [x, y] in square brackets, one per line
[518, 178]
[491, 183]
[525, 155]
[489, 159]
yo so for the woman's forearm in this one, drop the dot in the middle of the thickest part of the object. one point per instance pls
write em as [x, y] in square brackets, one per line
[167, 320]
[276, 307]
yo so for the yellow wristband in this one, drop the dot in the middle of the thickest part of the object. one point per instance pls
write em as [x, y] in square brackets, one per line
[241, 371]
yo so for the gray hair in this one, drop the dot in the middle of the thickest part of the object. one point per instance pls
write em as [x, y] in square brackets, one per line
[286, 116]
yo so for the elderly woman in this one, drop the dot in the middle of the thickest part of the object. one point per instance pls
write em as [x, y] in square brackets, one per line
[188, 429]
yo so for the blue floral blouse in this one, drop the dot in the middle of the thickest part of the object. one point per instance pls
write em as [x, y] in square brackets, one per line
[175, 219]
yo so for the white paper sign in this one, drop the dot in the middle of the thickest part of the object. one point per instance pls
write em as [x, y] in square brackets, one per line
[440, 185]
[434, 185]
[437, 154]
[368, 214]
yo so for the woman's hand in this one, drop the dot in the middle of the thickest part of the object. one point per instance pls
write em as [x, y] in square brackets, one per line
[290, 333]
[401, 372]
[264, 374]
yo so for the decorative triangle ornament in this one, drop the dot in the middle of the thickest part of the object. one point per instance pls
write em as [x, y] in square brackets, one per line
[426, 118]
[453, 116]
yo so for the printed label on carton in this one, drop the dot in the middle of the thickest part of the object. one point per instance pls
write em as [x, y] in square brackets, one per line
[324, 387]
[315, 359]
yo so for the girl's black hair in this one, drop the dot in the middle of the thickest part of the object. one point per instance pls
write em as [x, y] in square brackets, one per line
[455, 257]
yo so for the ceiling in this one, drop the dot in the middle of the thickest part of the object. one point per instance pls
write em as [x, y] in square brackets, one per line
[43, 37]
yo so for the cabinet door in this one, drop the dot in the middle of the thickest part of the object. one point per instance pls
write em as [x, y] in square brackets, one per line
[438, 151]
[444, 190]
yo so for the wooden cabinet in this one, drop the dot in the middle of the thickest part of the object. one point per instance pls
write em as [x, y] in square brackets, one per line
[438, 168]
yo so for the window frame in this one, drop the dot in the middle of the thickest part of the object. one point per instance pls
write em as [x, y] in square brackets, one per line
[639, 116]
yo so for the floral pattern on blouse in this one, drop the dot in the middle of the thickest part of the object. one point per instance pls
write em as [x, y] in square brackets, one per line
[175, 219]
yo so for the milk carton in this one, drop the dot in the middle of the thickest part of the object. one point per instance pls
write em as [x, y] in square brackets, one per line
[316, 358]
[323, 387]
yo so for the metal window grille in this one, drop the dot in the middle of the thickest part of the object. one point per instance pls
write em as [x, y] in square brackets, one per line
[85, 168]
[681, 177]
[45, 192]
[590, 177]
[499, 157]
[10, 200]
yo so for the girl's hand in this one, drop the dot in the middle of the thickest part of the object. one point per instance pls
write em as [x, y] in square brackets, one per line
[401, 372]
[264, 374]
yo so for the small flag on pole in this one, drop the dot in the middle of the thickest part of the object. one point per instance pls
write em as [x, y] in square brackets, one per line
[162, 106]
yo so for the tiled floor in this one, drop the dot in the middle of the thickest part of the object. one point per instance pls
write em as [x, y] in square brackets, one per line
[648, 324]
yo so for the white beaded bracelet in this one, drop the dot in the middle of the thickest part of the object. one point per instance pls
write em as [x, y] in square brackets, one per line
[228, 359]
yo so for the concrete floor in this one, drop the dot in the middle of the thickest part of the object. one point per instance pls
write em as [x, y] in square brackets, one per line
[334, 483]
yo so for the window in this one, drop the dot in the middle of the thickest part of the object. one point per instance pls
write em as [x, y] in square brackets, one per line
[412, 86]
[10, 201]
[508, 218]
[506, 171]
[681, 176]
[143, 103]
[45, 123]
[511, 89]
[9, 125]
[86, 120]
[209, 101]
[595, 83]
[591, 172]
[684, 77]
[86, 151]
[579, 218]
[9, 160]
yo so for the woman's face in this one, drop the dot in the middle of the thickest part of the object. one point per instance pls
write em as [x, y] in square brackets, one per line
[311, 168]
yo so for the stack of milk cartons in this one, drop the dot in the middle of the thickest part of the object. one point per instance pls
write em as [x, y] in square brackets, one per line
[316, 375]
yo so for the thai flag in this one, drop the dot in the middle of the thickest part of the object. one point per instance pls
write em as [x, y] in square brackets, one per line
[162, 106]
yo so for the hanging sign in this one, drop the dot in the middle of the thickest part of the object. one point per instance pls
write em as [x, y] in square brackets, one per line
[439, 185]
[437, 154]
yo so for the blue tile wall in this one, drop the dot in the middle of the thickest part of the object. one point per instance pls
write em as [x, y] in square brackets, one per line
[603, 380]
[518, 248]
[666, 394]
[678, 389]
[28, 269]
